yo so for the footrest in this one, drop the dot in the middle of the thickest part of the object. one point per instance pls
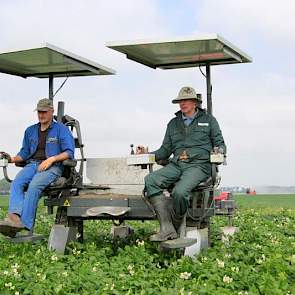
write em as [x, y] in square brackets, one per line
[22, 238]
[109, 210]
[178, 243]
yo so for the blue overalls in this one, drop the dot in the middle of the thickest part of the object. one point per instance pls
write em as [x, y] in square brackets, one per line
[59, 139]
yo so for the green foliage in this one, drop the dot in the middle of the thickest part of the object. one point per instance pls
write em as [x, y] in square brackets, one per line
[4, 186]
[265, 201]
[260, 259]
[4, 201]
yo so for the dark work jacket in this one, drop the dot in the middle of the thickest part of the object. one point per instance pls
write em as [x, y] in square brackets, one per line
[197, 139]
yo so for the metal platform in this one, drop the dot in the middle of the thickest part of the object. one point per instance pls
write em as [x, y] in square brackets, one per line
[131, 207]
[178, 243]
[26, 237]
[135, 207]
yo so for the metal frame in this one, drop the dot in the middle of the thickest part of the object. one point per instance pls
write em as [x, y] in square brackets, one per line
[72, 207]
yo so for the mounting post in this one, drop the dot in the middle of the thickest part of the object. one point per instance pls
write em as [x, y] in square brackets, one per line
[209, 89]
[50, 96]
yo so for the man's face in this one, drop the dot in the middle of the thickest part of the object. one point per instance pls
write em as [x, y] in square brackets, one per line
[45, 117]
[187, 106]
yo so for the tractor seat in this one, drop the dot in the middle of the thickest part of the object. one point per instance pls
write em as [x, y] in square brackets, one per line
[59, 182]
[70, 163]
[62, 180]
[205, 184]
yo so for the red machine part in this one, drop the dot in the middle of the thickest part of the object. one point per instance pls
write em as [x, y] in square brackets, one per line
[222, 196]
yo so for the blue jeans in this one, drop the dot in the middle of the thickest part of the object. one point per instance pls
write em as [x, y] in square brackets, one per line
[25, 204]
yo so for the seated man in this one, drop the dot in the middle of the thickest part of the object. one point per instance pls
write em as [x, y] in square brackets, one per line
[45, 145]
[190, 137]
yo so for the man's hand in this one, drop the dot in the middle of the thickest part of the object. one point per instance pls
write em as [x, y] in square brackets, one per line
[46, 164]
[140, 150]
[218, 150]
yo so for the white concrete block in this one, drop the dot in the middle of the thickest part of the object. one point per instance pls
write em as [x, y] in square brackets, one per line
[202, 241]
[115, 173]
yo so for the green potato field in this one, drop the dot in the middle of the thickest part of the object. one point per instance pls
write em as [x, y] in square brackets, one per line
[260, 259]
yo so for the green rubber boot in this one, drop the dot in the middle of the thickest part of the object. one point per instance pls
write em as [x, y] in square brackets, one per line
[179, 223]
[167, 230]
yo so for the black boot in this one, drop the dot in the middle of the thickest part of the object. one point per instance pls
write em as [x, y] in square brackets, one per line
[167, 230]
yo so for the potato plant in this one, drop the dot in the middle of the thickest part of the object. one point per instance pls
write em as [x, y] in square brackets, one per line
[260, 259]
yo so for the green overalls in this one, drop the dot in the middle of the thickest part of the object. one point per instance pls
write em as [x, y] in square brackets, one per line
[191, 146]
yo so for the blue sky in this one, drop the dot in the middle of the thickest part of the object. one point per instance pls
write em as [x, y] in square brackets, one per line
[253, 102]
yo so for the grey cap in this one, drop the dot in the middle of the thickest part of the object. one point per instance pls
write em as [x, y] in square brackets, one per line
[44, 105]
[185, 93]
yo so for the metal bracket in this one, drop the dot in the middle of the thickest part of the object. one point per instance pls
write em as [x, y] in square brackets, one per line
[23, 238]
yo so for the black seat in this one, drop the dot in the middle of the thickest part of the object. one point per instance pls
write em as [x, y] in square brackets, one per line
[65, 180]
[211, 181]
[205, 184]
[67, 177]
[60, 182]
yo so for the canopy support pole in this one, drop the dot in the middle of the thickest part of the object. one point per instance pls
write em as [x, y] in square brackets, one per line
[50, 87]
[209, 89]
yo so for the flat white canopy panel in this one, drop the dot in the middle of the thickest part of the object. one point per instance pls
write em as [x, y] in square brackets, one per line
[49, 60]
[181, 53]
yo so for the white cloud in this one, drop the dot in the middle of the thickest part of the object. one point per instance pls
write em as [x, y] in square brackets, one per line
[248, 19]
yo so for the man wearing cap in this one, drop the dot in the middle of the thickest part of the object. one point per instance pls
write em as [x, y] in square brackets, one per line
[190, 137]
[45, 145]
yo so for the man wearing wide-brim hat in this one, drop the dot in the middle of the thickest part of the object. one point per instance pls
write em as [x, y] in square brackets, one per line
[45, 145]
[190, 137]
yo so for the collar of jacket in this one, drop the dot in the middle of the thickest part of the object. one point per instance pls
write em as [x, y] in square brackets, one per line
[50, 126]
[198, 110]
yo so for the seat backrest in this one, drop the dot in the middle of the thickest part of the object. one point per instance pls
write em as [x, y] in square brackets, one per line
[74, 126]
